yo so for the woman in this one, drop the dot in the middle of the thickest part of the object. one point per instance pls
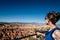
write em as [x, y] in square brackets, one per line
[54, 32]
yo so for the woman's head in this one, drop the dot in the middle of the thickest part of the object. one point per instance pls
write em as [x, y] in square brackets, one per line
[52, 17]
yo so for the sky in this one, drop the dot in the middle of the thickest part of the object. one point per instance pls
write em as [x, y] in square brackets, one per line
[27, 10]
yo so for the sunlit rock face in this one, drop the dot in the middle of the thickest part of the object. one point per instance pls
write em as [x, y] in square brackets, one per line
[11, 31]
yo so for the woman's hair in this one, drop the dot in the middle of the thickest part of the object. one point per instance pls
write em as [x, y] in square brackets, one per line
[53, 16]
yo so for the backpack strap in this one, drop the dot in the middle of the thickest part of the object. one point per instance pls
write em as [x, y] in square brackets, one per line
[54, 30]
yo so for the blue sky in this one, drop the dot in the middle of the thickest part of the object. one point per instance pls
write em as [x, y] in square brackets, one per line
[27, 10]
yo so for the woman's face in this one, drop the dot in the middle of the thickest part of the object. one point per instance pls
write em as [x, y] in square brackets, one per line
[47, 21]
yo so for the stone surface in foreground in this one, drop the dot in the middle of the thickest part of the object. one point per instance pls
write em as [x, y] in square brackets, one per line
[11, 31]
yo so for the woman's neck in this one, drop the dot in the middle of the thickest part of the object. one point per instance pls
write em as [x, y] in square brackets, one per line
[52, 26]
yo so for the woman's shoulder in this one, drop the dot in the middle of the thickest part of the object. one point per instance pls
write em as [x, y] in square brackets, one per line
[56, 34]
